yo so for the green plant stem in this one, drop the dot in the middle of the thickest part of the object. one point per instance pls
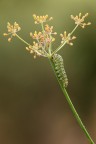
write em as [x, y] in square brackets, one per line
[22, 40]
[72, 106]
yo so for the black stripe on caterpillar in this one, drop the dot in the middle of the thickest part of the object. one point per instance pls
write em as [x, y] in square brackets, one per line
[59, 69]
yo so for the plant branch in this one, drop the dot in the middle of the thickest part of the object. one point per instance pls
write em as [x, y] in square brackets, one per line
[64, 41]
[27, 44]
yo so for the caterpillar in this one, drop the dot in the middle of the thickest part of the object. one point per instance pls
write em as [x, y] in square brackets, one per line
[59, 69]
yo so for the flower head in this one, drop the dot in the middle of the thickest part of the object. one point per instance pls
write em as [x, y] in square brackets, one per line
[44, 38]
[41, 19]
[49, 30]
[36, 35]
[67, 38]
[36, 48]
[79, 20]
[30, 49]
[12, 30]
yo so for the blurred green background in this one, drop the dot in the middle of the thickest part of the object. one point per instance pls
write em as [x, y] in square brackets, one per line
[33, 109]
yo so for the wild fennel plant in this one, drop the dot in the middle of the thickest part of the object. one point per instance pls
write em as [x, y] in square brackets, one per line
[42, 46]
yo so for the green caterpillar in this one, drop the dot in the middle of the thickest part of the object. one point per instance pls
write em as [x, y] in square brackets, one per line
[59, 69]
